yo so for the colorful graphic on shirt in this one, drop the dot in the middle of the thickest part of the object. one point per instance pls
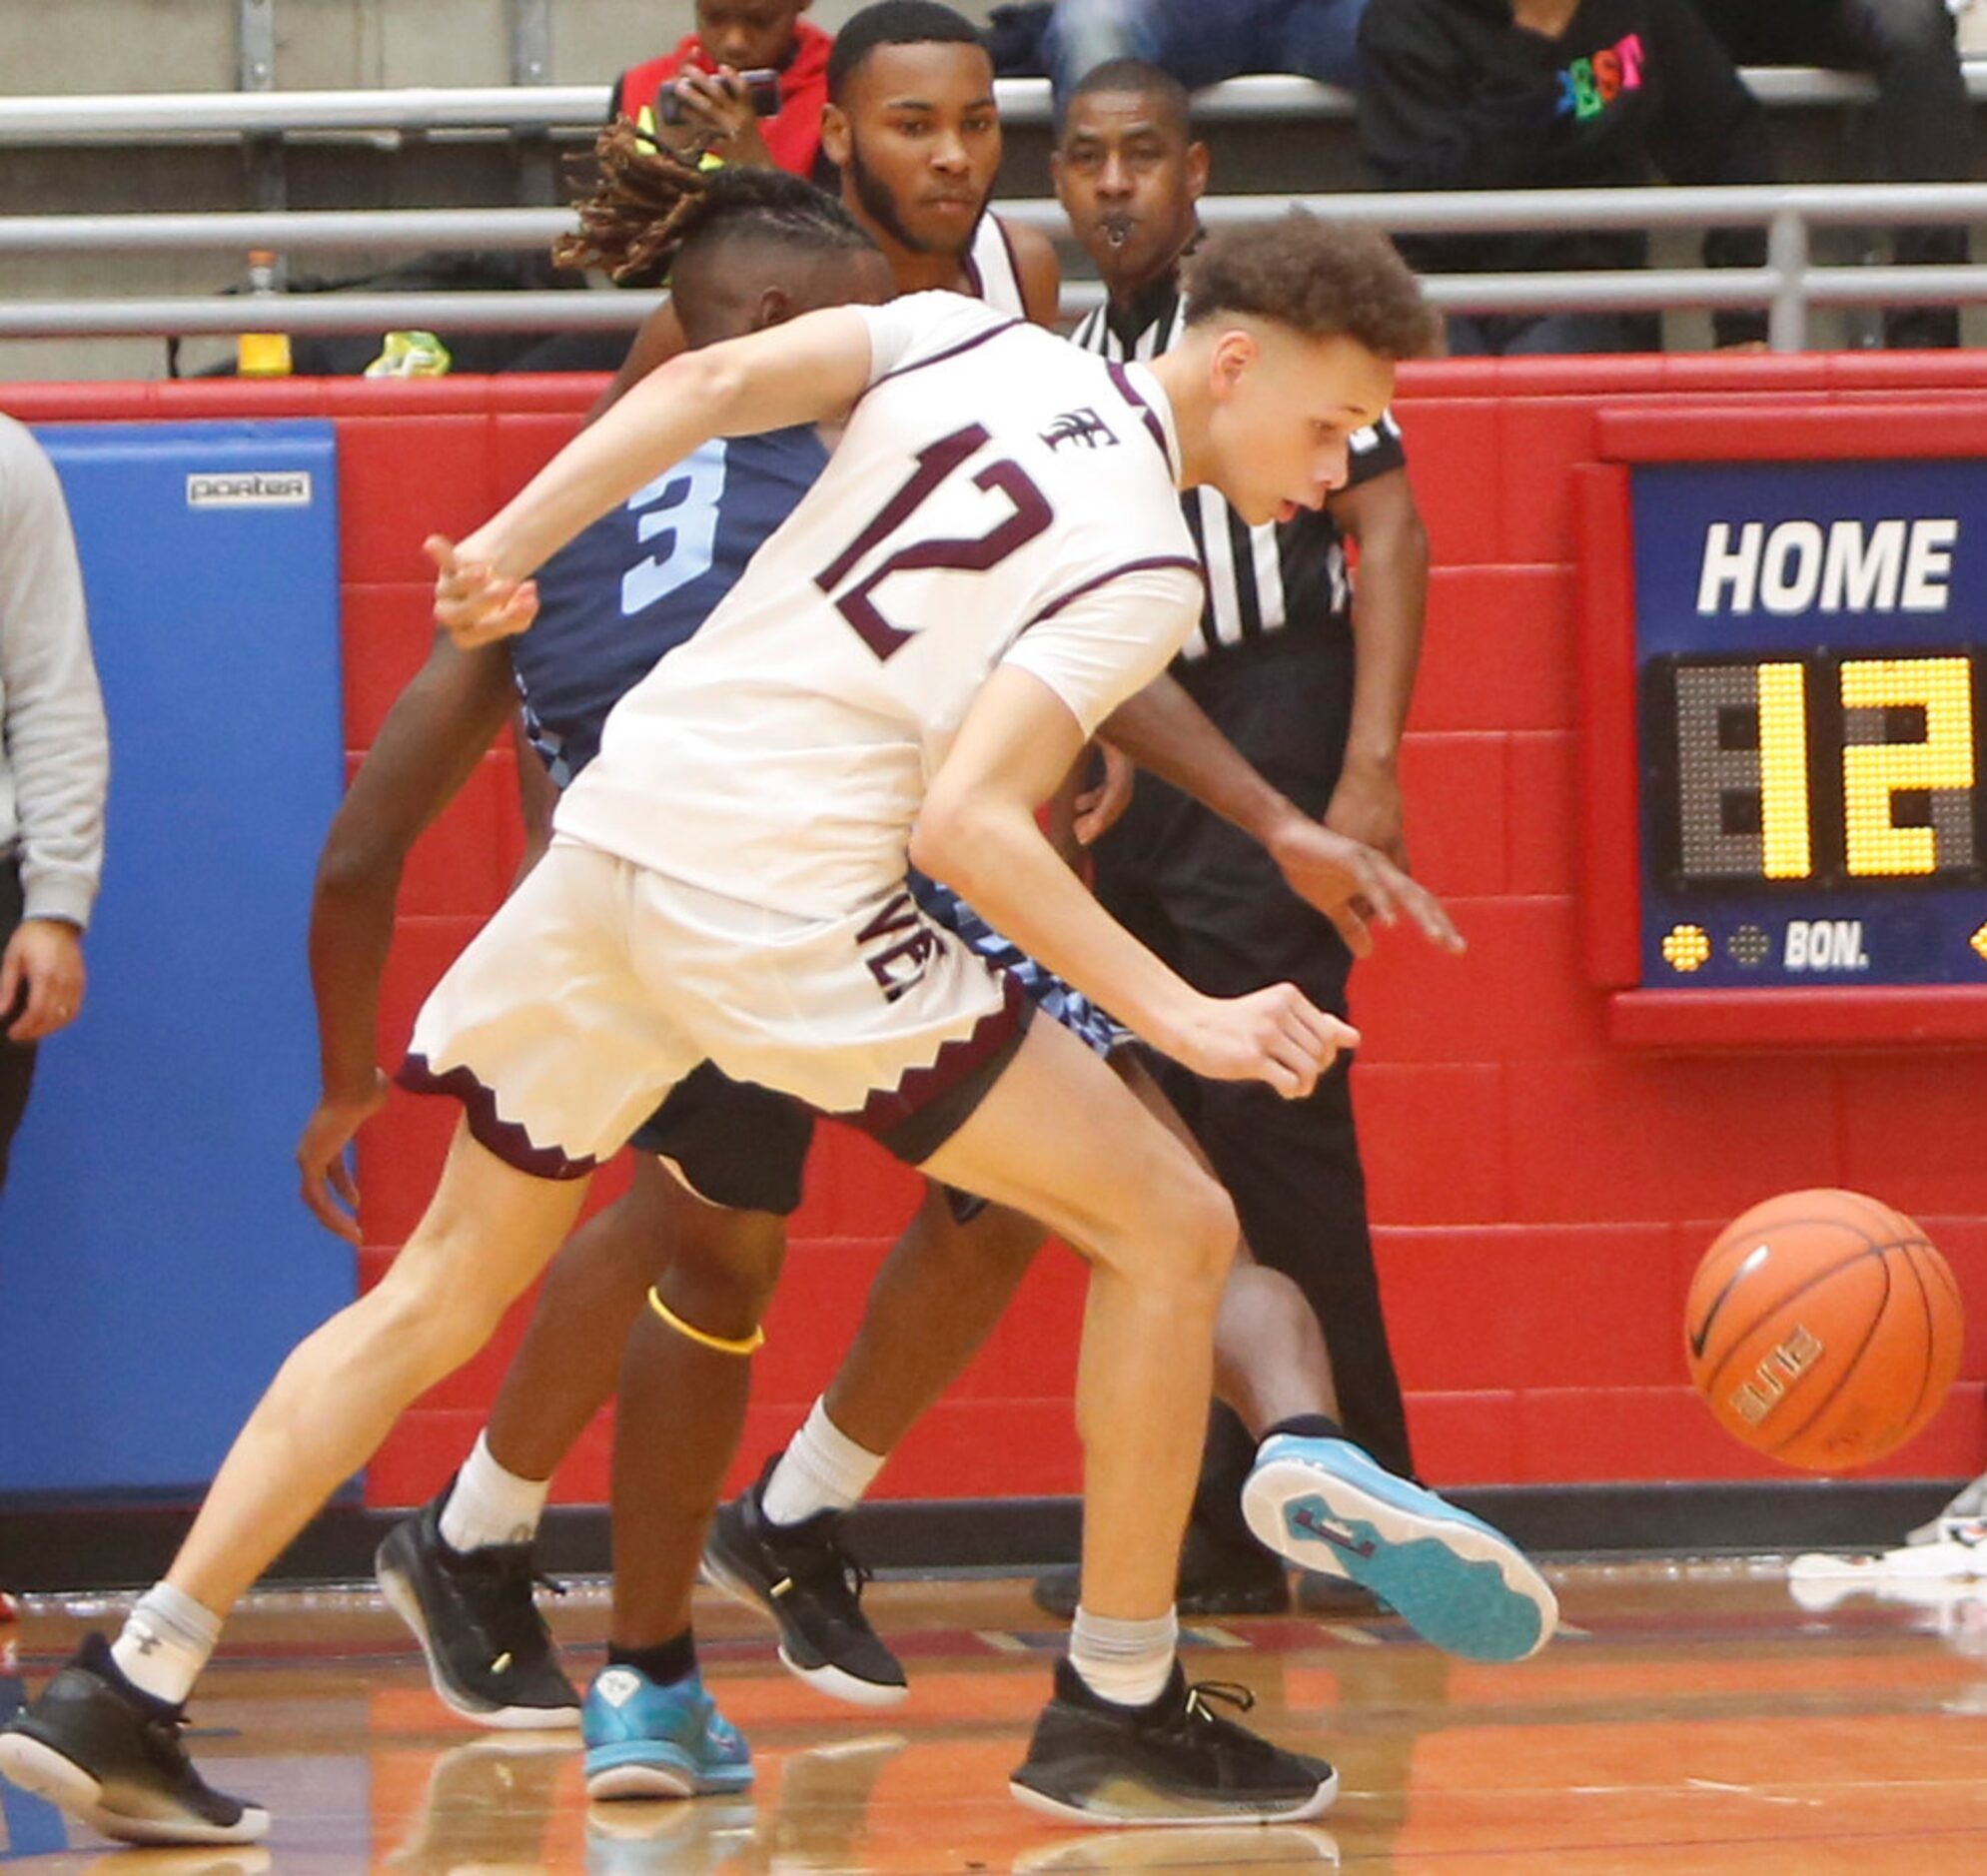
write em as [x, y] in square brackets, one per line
[1589, 86]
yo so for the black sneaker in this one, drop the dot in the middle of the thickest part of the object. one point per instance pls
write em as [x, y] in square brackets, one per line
[1173, 1762]
[800, 1576]
[95, 1747]
[1215, 1579]
[488, 1651]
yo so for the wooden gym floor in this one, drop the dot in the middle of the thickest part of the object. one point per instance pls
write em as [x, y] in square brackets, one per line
[1691, 1719]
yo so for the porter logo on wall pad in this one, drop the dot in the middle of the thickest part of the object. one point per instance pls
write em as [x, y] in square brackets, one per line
[249, 488]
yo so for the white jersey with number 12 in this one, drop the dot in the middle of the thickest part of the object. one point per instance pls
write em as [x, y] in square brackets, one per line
[997, 497]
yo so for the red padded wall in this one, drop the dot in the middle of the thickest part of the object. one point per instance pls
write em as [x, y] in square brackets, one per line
[1540, 1196]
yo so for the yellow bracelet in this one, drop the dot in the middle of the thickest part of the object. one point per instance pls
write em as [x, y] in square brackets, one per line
[746, 1344]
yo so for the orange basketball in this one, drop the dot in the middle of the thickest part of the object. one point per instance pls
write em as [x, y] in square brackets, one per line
[1824, 1328]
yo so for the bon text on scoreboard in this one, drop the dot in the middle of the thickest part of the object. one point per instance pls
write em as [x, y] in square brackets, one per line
[1784, 689]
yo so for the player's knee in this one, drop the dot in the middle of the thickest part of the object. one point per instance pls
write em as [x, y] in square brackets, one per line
[725, 1270]
[1214, 1230]
[1188, 1238]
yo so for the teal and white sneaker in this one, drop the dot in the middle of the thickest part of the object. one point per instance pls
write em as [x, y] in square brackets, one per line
[645, 1741]
[1330, 1507]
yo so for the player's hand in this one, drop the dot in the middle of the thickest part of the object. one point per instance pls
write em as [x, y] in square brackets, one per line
[1099, 809]
[717, 106]
[327, 1187]
[1355, 885]
[1275, 1035]
[472, 603]
[1366, 807]
[42, 969]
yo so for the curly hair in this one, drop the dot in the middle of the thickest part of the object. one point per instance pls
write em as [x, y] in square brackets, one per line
[650, 205]
[1322, 278]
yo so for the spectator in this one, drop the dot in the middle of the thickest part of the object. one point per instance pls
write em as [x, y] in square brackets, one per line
[1556, 94]
[1202, 42]
[1924, 125]
[734, 36]
[54, 765]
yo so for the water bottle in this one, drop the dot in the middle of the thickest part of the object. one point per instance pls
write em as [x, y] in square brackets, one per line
[262, 354]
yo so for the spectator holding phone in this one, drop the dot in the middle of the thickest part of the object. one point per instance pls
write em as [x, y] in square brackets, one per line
[747, 85]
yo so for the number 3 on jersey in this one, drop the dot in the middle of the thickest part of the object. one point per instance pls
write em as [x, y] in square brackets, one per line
[1029, 515]
[683, 518]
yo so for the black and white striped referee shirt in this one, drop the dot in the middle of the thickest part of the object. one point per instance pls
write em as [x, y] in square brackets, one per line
[1265, 579]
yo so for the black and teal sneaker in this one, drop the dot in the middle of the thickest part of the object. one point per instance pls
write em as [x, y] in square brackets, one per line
[1330, 1507]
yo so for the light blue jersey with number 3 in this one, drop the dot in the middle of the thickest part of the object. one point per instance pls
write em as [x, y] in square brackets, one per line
[640, 580]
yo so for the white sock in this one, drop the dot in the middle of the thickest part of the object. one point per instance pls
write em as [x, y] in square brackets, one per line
[164, 1644]
[1126, 1662]
[822, 1469]
[488, 1506]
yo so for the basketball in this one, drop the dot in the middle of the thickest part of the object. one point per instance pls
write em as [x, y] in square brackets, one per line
[1824, 1328]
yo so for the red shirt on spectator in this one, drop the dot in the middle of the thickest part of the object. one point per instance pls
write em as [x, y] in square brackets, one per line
[793, 135]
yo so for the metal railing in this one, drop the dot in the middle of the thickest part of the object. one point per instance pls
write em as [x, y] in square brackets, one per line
[175, 116]
[1788, 286]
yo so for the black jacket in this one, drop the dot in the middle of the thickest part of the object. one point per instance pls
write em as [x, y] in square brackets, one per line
[1457, 97]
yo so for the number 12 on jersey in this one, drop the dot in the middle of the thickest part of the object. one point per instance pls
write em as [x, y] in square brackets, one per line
[1028, 514]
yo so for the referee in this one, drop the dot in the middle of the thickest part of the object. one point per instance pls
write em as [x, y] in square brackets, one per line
[1274, 664]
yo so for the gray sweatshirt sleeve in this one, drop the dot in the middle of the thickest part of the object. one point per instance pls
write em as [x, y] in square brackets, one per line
[54, 750]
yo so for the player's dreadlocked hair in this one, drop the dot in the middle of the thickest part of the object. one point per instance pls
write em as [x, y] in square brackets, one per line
[650, 205]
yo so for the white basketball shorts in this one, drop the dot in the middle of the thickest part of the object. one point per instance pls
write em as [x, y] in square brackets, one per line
[599, 985]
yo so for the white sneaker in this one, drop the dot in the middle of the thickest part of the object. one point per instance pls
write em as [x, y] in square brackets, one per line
[1967, 1512]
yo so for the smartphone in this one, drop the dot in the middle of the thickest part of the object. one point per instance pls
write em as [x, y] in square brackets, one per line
[761, 86]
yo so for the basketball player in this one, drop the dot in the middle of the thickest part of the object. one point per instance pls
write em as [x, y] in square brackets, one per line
[461, 1570]
[1130, 177]
[870, 666]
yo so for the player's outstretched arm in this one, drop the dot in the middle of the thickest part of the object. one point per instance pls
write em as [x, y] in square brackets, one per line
[808, 371]
[431, 742]
[1163, 729]
[978, 833]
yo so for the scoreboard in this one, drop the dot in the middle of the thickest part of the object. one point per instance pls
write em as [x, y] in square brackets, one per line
[1784, 697]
